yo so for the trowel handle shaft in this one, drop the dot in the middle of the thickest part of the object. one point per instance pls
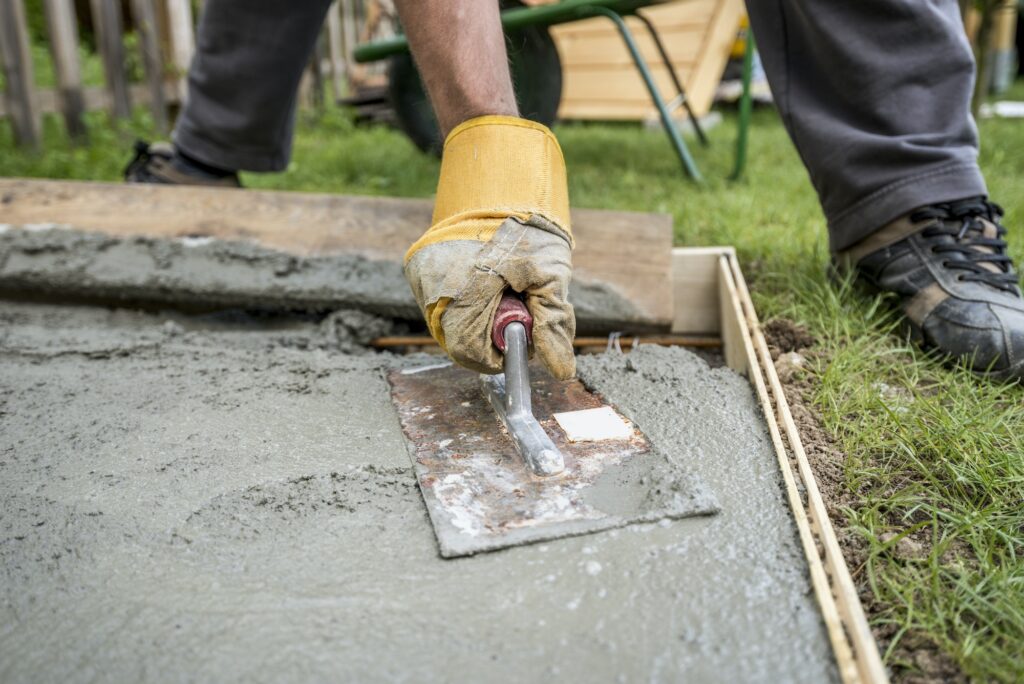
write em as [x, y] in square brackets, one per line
[511, 309]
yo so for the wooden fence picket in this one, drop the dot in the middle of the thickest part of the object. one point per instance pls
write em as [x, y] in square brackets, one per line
[181, 33]
[17, 65]
[336, 50]
[62, 27]
[145, 17]
[106, 17]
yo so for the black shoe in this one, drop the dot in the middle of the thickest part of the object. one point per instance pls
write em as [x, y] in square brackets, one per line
[957, 286]
[159, 163]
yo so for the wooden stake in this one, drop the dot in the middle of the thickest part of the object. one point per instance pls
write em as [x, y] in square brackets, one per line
[145, 16]
[336, 50]
[62, 25]
[106, 16]
[17, 65]
[181, 32]
[350, 38]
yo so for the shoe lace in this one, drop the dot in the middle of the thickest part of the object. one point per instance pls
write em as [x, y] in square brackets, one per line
[963, 222]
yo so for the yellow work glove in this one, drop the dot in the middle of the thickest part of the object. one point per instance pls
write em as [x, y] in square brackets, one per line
[501, 220]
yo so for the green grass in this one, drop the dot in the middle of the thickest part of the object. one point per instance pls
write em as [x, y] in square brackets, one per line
[931, 451]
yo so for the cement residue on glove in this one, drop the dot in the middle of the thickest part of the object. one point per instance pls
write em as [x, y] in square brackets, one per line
[501, 220]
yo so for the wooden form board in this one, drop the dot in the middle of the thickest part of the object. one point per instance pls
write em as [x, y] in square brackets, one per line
[600, 80]
[637, 269]
[708, 278]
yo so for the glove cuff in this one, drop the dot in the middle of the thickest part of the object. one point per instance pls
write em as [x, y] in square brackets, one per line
[495, 167]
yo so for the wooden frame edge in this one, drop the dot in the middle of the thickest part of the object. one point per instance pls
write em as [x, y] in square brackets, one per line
[854, 646]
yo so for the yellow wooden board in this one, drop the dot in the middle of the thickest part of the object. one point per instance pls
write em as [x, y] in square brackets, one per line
[601, 82]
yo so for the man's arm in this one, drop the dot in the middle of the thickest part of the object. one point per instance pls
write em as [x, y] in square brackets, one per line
[501, 217]
[459, 48]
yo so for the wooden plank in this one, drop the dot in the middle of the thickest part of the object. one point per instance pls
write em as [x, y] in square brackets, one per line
[181, 30]
[733, 333]
[696, 307]
[336, 50]
[146, 21]
[606, 110]
[621, 258]
[349, 28]
[664, 14]
[106, 16]
[62, 26]
[16, 56]
[739, 316]
[859, 659]
[702, 80]
[620, 83]
[604, 49]
[599, 76]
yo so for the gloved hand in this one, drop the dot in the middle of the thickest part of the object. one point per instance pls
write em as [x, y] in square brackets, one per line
[501, 220]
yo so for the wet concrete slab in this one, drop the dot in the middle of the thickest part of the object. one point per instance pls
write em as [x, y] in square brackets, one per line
[225, 500]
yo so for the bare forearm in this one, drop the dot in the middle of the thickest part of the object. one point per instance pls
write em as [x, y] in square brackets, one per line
[459, 49]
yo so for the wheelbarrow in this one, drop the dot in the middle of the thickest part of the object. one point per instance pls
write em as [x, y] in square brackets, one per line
[537, 73]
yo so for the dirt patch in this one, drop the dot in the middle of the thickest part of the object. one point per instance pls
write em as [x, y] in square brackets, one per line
[785, 336]
[916, 659]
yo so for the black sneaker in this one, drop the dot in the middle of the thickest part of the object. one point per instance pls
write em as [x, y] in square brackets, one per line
[957, 286]
[158, 163]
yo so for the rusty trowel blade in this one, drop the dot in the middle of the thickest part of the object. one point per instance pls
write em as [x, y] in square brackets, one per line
[479, 492]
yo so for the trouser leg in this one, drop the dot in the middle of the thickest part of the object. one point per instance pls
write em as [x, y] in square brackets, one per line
[876, 97]
[243, 82]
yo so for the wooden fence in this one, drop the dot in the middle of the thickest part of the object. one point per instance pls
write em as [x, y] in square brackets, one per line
[165, 35]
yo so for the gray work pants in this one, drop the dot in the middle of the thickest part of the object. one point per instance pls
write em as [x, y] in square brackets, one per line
[874, 93]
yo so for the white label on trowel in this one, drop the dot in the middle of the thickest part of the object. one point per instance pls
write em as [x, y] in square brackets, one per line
[594, 425]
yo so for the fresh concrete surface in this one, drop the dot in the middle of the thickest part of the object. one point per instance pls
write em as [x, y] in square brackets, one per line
[228, 499]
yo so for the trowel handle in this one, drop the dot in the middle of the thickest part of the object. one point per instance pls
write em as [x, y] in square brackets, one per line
[511, 309]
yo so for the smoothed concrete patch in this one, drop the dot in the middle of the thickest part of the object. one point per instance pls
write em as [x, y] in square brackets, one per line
[223, 503]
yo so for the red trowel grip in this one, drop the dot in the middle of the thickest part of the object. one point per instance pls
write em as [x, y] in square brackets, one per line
[511, 309]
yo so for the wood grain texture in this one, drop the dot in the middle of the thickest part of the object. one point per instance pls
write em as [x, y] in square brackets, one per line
[601, 81]
[628, 254]
[715, 49]
[733, 326]
[696, 307]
